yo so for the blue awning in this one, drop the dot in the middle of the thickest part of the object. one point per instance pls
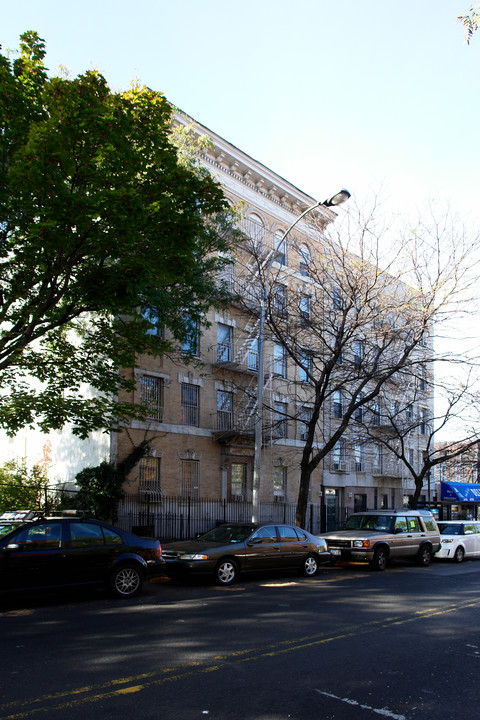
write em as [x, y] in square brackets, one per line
[460, 492]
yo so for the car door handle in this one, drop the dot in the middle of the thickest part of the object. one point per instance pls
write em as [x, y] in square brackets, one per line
[276, 547]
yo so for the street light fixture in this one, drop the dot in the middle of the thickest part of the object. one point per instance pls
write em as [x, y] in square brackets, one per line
[337, 199]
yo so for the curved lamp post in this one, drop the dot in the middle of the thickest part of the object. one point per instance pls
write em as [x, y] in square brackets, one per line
[337, 199]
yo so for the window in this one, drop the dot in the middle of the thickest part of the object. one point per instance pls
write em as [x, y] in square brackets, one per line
[305, 369]
[280, 299]
[151, 389]
[190, 479]
[191, 343]
[224, 343]
[252, 355]
[359, 457]
[409, 412]
[256, 231]
[359, 410]
[377, 458]
[224, 410]
[152, 316]
[337, 299]
[238, 482]
[280, 419]
[266, 534]
[305, 260]
[422, 380]
[339, 455]
[338, 404]
[424, 422]
[377, 412]
[279, 483]
[305, 309]
[280, 247]
[359, 502]
[288, 534]
[358, 352]
[190, 404]
[44, 536]
[304, 417]
[279, 360]
[149, 473]
[84, 534]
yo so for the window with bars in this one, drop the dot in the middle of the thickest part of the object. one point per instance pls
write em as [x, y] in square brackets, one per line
[190, 479]
[149, 473]
[190, 404]
[151, 389]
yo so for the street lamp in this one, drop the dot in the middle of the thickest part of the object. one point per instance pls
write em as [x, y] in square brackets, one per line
[337, 199]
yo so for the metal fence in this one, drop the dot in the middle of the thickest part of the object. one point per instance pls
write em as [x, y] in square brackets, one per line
[177, 518]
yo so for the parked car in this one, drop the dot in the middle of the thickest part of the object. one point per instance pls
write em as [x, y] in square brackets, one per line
[230, 549]
[459, 539]
[9, 520]
[382, 535]
[59, 552]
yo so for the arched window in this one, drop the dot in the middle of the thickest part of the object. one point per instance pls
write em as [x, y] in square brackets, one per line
[256, 231]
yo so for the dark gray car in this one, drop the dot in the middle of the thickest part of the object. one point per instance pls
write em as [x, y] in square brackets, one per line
[230, 549]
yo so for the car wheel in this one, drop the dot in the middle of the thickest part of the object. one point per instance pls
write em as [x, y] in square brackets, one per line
[380, 559]
[226, 572]
[459, 554]
[310, 565]
[424, 557]
[125, 581]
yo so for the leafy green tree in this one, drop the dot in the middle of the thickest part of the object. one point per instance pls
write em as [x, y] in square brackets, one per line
[107, 235]
[22, 488]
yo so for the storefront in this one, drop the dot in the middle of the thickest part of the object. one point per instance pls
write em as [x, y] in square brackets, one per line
[459, 501]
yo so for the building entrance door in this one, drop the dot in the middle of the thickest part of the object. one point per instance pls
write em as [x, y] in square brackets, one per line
[332, 503]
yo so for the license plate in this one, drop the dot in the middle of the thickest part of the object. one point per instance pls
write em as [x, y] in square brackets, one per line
[335, 552]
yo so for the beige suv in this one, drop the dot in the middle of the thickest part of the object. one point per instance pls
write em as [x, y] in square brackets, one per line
[381, 535]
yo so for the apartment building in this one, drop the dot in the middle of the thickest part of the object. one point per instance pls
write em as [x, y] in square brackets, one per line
[202, 415]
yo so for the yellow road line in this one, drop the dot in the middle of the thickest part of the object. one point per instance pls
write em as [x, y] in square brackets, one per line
[69, 699]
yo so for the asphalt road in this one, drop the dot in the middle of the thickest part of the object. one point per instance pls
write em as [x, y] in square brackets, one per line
[350, 644]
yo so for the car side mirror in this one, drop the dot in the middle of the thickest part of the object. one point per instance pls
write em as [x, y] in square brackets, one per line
[255, 541]
[398, 530]
[13, 546]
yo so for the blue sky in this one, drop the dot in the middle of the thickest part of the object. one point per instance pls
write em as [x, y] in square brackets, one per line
[372, 95]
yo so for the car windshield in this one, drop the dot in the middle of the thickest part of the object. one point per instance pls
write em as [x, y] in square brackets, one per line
[379, 523]
[450, 529]
[4, 529]
[227, 534]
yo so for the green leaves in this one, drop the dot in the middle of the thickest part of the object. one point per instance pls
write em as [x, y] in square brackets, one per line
[97, 209]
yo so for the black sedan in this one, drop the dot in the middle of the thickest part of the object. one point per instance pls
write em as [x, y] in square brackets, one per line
[230, 549]
[59, 552]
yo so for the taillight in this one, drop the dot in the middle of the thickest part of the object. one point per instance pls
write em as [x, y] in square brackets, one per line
[159, 550]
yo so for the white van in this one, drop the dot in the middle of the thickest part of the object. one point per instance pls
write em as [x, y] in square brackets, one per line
[460, 539]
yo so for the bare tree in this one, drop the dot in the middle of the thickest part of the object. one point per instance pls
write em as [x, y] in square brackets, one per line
[354, 307]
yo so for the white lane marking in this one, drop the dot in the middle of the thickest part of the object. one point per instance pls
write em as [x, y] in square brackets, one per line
[379, 711]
